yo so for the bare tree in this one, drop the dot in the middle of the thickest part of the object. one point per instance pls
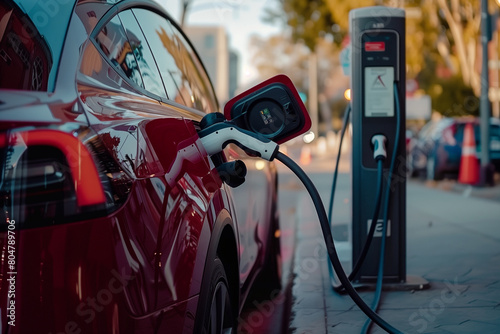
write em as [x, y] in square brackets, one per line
[464, 20]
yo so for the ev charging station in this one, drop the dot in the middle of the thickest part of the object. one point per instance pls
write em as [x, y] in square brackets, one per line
[271, 113]
[377, 83]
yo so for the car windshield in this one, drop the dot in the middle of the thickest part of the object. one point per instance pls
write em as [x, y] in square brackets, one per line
[32, 35]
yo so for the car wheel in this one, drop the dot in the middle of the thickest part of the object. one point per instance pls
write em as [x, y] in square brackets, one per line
[215, 310]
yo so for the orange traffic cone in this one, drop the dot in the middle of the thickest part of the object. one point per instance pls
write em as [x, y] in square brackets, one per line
[469, 164]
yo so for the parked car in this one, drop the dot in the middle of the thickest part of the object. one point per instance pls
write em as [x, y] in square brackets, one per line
[436, 151]
[114, 218]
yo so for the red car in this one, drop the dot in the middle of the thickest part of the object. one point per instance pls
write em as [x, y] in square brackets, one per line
[114, 218]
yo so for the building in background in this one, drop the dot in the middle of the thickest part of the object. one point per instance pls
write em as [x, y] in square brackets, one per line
[233, 73]
[211, 42]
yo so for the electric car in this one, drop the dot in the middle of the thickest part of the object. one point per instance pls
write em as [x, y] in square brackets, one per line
[437, 150]
[114, 217]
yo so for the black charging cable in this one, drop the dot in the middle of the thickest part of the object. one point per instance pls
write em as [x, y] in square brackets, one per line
[332, 253]
[347, 113]
[380, 274]
[378, 197]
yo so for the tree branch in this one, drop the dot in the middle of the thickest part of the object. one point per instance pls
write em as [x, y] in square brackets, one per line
[457, 32]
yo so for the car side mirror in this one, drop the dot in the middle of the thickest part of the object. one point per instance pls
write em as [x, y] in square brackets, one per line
[272, 108]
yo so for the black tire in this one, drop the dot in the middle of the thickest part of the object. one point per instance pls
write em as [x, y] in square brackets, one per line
[216, 314]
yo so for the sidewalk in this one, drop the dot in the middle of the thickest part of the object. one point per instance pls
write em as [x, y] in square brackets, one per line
[489, 193]
[453, 241]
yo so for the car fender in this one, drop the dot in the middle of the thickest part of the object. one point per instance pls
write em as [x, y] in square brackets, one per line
[223, 245]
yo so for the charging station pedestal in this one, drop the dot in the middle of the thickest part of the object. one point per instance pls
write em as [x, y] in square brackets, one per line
[377, 74]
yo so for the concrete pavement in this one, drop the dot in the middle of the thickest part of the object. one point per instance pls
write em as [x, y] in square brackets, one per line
[453, 242]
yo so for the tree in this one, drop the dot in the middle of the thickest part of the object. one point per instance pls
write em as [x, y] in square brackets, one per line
[340, 9]
[460, 39]
[442, 38]
[309, 20]
[278, 54]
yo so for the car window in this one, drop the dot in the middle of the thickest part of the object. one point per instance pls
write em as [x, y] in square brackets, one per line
[113, 41]
[167, 54]
[182, 79]
[199, 80]
[424, 130]
[494, 132]
[145, 60]
[128, 51]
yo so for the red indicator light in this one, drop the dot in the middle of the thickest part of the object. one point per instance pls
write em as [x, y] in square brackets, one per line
[374, 46]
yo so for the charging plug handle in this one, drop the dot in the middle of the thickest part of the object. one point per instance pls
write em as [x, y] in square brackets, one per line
[379, 149]
[215, 137]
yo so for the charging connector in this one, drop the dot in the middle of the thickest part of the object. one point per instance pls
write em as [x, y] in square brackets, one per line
[215, 137]
[379, 149]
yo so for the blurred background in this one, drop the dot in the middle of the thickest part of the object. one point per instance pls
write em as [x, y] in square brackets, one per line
[244, 42]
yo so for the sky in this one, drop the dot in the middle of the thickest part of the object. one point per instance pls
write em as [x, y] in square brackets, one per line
[241, 18]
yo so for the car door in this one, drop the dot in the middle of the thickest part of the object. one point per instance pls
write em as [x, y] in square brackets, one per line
[187, 83]
[162, 234]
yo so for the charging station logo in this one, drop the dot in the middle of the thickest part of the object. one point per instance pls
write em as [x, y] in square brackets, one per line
[379, 83]
[379, 228]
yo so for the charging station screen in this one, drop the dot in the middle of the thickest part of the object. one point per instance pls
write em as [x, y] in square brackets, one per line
[379, 91]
